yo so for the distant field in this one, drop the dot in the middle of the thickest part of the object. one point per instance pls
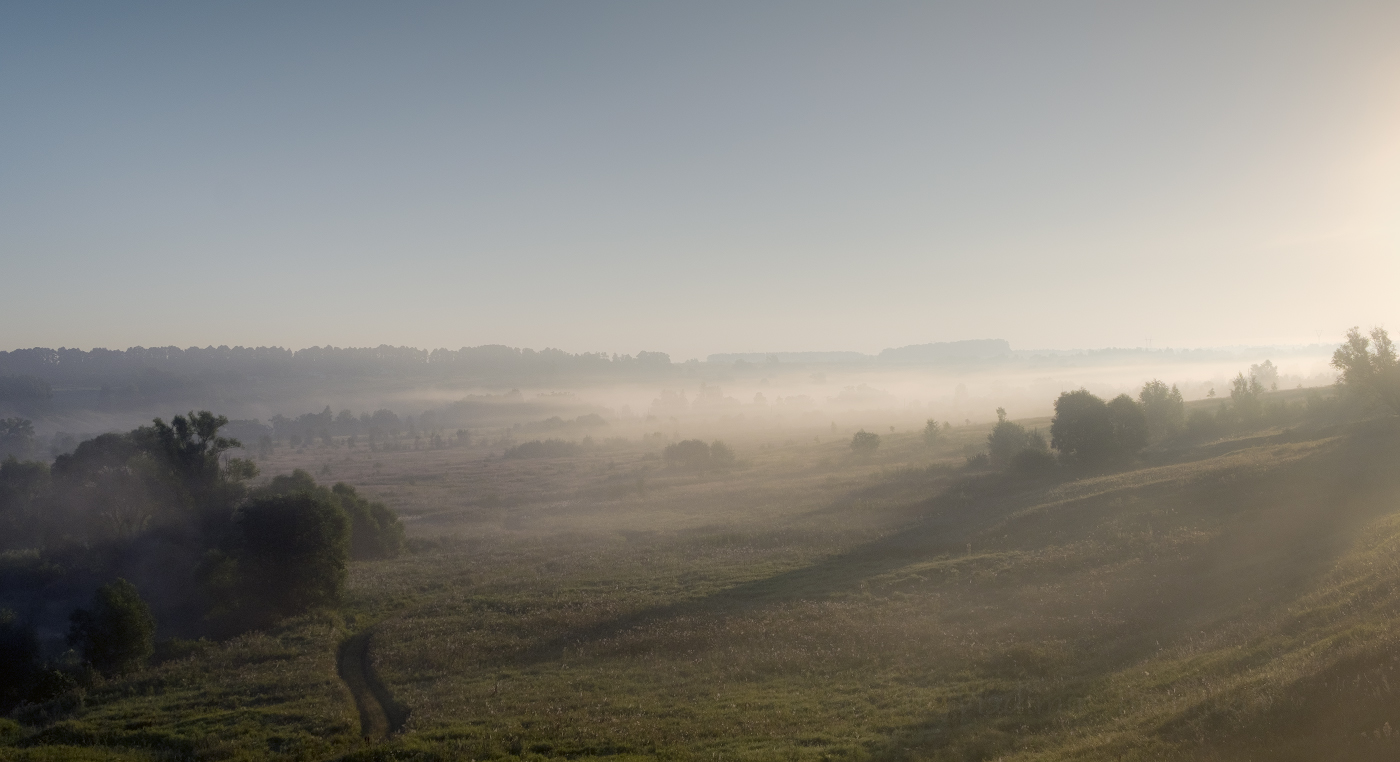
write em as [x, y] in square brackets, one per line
[1237, 600]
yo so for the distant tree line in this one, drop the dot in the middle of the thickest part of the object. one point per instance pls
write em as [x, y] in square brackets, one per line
[167, 368]
[1088, 431]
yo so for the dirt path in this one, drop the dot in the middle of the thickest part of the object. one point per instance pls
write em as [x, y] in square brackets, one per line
[380, 714]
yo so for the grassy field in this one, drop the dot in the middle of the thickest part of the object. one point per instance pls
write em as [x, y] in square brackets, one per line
[1235, 600]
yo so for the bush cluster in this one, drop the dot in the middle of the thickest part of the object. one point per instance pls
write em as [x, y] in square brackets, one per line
[695, 455]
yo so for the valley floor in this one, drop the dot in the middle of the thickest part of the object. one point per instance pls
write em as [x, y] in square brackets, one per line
[1234, 601]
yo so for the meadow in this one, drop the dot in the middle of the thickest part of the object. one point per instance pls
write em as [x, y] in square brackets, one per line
[1231, 599]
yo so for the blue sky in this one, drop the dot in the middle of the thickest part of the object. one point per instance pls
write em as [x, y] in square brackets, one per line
[697, 178]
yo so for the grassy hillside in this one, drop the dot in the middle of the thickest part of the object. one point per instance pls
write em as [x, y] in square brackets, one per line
[1230, 601]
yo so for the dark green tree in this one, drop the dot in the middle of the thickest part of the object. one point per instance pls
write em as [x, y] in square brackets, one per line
[117, 634]
[291, 553]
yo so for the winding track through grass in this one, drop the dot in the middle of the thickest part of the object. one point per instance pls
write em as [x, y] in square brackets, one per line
[380, 714]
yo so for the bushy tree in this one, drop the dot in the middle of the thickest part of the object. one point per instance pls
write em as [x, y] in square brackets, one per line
[1369, 367]
[117, 634]
[290, 554]
[1007, 439]
[375, 531]
[692, 454]
[1164, 408]
[721, 454]
[1129, 422]
[865, 442]
[1082, 429]
[1088, 430]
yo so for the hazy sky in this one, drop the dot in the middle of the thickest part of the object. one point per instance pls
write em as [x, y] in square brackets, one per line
[699, 177]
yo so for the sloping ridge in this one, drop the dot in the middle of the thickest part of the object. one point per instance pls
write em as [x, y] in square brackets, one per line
[380, 714]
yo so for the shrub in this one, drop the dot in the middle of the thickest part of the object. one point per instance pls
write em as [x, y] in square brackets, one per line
[117, 634]
[1007, 439]
[865, 443]
[691, 454]
[549, 448]
[721, 455]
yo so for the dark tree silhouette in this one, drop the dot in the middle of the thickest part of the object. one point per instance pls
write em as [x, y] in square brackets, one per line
[1082, 429]
[117, 634]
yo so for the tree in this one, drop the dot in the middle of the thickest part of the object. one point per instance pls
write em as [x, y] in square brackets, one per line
[1266, 373]
[1244, 396]
[932, 432]
[117, 634]
[1164, 408]
[16, 437]
[691, 454]
[291, 552]
[375, 531]
[1082, 428]
[1129, 424]
[721, 454]
[1372, 374]
[1006, 440]
[865, 443]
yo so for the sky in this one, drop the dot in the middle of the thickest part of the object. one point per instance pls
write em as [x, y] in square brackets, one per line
[699, 177]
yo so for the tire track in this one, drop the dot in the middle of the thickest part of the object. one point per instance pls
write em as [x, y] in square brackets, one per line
[380, 714]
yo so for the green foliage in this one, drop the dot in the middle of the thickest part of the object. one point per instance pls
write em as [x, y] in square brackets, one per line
[375, 531]
[865, 442]
[1369, 366]
[290, 554]
[117, 634]
[1164, 407]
